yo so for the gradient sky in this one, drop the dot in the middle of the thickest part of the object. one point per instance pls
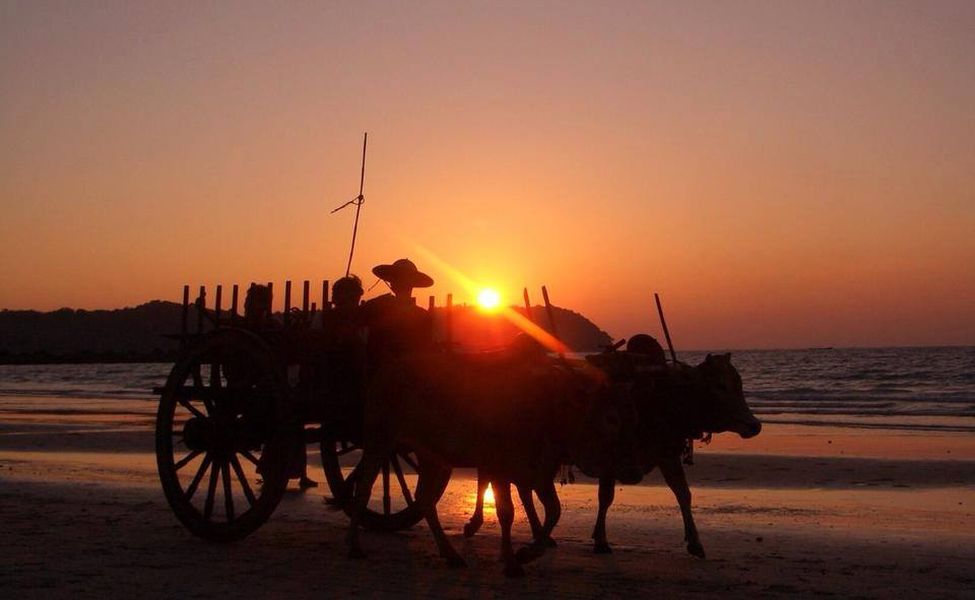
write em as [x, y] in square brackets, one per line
[785, 174]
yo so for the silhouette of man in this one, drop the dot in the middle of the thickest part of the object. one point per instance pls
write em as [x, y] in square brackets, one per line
[395, 323]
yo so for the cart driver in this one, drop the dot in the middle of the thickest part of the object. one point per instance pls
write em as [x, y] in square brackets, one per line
[396, 325]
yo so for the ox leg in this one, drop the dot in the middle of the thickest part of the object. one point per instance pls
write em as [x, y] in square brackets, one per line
[553, 512]
[506, 516]
[429, 506]
[673, 474]
[477, 519]
[607, 492]
[525, 495]
[366, 474]
[543, 538]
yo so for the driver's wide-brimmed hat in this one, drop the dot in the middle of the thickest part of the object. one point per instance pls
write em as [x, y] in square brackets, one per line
[403, 271]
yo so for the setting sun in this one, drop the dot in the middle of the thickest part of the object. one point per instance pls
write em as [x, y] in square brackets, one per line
[488, 299]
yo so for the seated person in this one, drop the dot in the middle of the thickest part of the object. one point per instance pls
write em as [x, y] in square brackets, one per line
[395, 323]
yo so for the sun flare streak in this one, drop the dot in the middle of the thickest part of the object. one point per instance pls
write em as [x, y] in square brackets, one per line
[471, 287]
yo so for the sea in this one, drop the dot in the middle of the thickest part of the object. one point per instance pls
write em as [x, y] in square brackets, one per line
[929, 388]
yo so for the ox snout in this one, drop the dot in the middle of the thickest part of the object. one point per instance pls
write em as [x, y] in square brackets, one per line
[750, 428]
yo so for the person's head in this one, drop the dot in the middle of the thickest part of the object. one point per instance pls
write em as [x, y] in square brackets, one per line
[257, 304]
[402, 276]
[346, 292]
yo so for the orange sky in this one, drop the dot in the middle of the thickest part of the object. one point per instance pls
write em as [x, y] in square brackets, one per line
[784, 175]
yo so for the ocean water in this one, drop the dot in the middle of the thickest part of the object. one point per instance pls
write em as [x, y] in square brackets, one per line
[916, 388]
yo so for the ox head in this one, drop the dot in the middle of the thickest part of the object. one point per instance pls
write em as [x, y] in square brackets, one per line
[721, 401]
[607, 440]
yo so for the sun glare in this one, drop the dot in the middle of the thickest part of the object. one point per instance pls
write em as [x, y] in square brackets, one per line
[489, 496]
[488, 299]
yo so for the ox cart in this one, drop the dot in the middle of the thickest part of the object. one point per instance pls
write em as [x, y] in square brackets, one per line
[241, 404]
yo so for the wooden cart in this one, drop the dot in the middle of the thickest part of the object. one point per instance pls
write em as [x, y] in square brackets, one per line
[239, 408]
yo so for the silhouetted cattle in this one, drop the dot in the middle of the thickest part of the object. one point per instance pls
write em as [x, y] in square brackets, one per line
[674, 404]
[516, 421]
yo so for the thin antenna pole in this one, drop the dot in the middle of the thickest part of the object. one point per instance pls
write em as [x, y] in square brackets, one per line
[663, 323]
[359, 200]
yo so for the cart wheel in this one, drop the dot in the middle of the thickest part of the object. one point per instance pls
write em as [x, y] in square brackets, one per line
[222, 443]
[392, 505]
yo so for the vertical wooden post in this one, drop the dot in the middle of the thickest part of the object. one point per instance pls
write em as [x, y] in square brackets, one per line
[528, 305]
[551, 318]
[184, 322]
[270, 299]
[325, 304]
[233, 304]
[431, 303]
[201, 306]
[449, 321]
[306, 290]
[663, 323]
[217, 301]
[287, 301]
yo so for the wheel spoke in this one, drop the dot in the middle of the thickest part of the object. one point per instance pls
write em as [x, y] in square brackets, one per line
[228, 495]
[190, 491]
[346, 449]
[409, 460]
[246, 454]
[185, 403]
[248, 493]
[186, 459]
[402, 481]
[386, 498]
[199, 387]
[211, 493]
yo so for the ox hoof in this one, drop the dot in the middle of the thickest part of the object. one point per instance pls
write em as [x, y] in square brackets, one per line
[471, 528]
[526, 554]
[547, 542]
[602, 548]
[514, 570]
[356, 554]
[696, 549]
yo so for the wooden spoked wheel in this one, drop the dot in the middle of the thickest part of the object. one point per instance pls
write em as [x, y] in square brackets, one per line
[222, 438]
[392, 503]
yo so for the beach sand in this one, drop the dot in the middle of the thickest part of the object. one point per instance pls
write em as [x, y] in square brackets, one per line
[798, 511]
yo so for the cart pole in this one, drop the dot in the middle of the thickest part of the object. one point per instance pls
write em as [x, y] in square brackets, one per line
[217, 304]
[305, 297]
[233, 303]
[324, 295]
[528, 304]
[287, 301]
[663, 323]
[201, 306]
[449, 322]
[184, 322]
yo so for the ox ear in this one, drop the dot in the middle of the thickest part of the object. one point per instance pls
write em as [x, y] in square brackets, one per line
[727, 357]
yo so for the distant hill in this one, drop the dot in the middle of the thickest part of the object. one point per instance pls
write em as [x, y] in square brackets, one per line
[137, 334]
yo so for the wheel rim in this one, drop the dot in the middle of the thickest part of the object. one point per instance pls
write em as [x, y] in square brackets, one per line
[392, 503]
[219, 453]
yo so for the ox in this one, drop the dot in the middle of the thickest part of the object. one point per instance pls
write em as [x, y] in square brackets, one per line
[674, 405]
[516, 421]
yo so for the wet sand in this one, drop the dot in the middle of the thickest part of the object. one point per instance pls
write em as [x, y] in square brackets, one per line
[798, 511]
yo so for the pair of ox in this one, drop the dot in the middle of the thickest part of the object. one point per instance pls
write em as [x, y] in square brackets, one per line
[674, 404]
[516, 421]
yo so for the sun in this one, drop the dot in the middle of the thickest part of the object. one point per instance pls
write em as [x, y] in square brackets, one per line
[489, 299]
